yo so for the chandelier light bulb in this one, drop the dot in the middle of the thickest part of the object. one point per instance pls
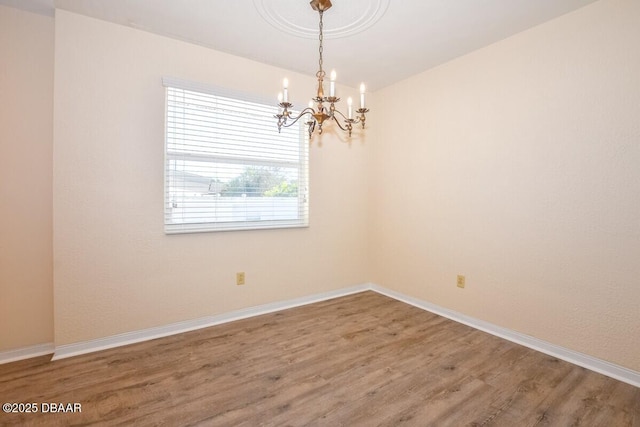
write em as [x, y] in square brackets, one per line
[362, 90]
[350, 107]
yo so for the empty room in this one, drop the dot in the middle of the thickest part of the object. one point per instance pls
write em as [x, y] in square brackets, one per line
[345, 212]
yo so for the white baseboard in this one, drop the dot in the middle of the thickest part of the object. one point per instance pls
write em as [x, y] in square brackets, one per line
[26, 352]
[589, 362]
[75, 349]
[580, 359]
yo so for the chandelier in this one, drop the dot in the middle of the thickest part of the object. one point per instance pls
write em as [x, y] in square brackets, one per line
[318, 112]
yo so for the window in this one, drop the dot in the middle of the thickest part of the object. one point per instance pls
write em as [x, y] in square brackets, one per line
[226, 165]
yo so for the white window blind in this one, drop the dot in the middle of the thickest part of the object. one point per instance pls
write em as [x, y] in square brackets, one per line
[226, 165]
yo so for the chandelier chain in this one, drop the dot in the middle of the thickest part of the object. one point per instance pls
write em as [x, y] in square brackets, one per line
[320, 49]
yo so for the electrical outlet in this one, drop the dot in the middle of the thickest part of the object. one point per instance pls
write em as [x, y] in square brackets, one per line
[460, 281]
[240, 278]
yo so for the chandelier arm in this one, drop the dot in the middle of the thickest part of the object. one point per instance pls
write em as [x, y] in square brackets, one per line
[348, 122]
[339, 125]
[356, 120]
[299, 116]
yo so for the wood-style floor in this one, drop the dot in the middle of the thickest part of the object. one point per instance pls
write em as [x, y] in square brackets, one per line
[359, 360]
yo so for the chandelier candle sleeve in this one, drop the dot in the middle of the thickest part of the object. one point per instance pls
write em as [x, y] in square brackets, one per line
[285, 84]
[332, 86]
[362, 90]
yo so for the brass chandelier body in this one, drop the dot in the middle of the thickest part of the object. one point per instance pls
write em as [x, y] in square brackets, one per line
[317, 113]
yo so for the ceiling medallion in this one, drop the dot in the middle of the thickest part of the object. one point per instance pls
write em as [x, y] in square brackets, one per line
[351, 17]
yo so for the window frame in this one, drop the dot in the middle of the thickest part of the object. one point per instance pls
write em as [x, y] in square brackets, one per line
[301, 165]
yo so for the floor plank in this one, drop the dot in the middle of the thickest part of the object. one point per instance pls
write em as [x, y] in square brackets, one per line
[359, 360]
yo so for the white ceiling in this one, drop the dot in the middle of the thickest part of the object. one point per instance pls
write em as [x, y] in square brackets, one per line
[408, 37]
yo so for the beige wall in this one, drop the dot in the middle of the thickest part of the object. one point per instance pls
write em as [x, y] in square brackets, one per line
[115, 269]
[518, 166]
[26, 132]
